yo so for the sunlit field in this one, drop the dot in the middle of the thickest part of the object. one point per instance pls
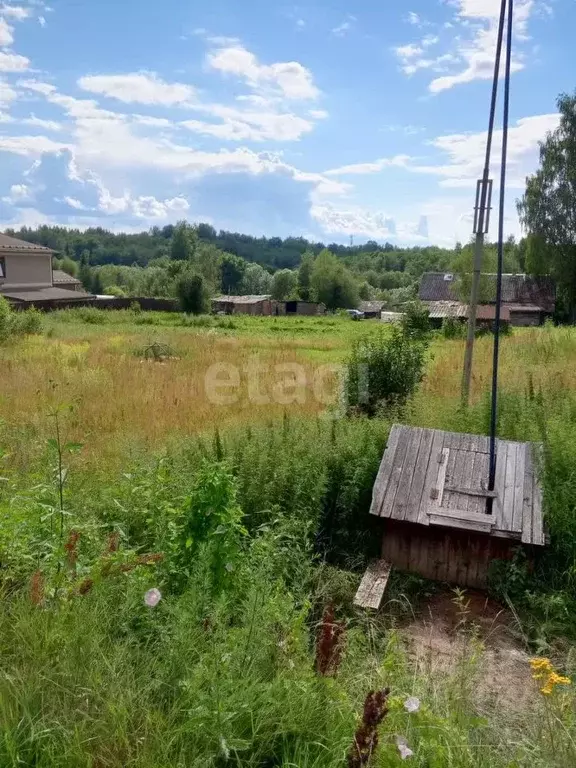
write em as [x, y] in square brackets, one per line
[183, 525]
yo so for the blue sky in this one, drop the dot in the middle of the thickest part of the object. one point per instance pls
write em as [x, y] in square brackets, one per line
[324, 119]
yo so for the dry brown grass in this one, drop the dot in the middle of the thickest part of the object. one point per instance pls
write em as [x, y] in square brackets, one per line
[115, 395]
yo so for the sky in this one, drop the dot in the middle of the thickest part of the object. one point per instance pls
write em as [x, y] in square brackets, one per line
[333, 120]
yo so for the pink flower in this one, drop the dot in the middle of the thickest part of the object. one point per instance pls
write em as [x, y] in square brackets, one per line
[412, 704]
[152, 597]
[403, 747]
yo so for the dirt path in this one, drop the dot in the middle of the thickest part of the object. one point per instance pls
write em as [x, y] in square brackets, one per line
[443, 638]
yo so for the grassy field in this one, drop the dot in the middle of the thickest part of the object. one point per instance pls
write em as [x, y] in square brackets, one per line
[210, 459]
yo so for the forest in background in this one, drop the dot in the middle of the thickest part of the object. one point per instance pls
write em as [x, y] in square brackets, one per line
[194, 262]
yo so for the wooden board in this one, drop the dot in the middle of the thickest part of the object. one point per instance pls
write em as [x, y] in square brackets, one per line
[373, 584]
[384, 472]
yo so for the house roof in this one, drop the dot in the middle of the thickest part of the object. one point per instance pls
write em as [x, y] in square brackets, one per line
[371, 306]
[516, 289]
[46, 294]
[8, 243]
[59, 277]
[254, 299]
[443, 309]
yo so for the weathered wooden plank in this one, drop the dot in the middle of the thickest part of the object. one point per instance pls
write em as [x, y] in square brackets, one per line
[518, 499]
[475, 503]
[528, 500]
[455, 522]
[537, 519]
[407, 476]
[480, 444]
[467, 491]
[384, 471]
[438, 496]
[431, 476]
[371, 589]
[452, 558]
[422, 462]
[508, 500]
[387, 509]
[463, 514]
[455, 496]
[499, 480]
[443, 497]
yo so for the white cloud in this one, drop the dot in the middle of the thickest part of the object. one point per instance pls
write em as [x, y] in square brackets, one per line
[354, 221]
[413, 19]
[139, 88]
[42, 21]
[300, 23]
[289, 79]
[29, 145]
[240, 125]
[74, 203]
[7, 93]
[399, 161]
[476, 51]
[408, 51]
[13, 62]
[19, 193]
[6, 36]
[341, 29]
[38, 122]
[16, 12]
[465, 152]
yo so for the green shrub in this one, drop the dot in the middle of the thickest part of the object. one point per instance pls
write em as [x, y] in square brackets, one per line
[415, 321]
[18, 323]
[452, 328]
[193, 294]
[384, 370]
[27, 322]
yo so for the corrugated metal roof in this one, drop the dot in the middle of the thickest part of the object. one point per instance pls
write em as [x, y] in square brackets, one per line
[516, 289]
[444, 309]
[59, 276]
[13, 244]
[255, 299]
[46, 294]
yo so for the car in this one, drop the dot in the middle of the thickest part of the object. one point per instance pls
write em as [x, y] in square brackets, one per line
[355, 314]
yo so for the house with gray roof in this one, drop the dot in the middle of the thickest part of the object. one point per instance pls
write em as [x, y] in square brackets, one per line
[27, 277]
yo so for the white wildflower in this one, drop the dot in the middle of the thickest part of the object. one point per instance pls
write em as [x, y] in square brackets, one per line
[412, 704]
[152, 597]
[403, 747]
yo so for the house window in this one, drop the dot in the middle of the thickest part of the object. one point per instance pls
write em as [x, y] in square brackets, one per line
[2, 267]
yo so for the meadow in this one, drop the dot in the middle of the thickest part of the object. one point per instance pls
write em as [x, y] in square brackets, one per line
[211, 459]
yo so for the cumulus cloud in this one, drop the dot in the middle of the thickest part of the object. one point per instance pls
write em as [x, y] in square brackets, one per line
[13, 62]
[139, 88]
[16, 12]
[290, 79]
[354, 221]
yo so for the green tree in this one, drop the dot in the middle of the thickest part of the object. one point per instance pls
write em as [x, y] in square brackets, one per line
[207, 260]
[184, 241]
[193, 294]
[85, 272]
[233, 269]
[256, 280]
[69, 266]
[548, 208]
[304, 275]
[331, 283]
[96, 283]
[284, 284]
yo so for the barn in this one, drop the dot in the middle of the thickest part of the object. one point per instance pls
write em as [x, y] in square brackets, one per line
[529, 300]
[244, 305]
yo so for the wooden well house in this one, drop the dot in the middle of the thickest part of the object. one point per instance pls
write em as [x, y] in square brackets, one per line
[431, 494]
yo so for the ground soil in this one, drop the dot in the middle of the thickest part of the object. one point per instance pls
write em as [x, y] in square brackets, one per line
[446, 631]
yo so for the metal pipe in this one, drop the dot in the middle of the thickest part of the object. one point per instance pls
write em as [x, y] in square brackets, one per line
[494, 408]
[479, 247]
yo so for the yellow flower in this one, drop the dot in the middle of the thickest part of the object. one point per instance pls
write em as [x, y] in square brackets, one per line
[542, 668]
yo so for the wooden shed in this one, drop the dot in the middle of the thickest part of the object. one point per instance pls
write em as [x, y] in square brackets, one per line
[431, 495]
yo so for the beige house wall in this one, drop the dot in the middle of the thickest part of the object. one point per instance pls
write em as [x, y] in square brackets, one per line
[26, 270]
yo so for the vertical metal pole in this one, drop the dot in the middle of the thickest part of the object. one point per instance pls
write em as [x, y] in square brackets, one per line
[479, 246]
[493, 414]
